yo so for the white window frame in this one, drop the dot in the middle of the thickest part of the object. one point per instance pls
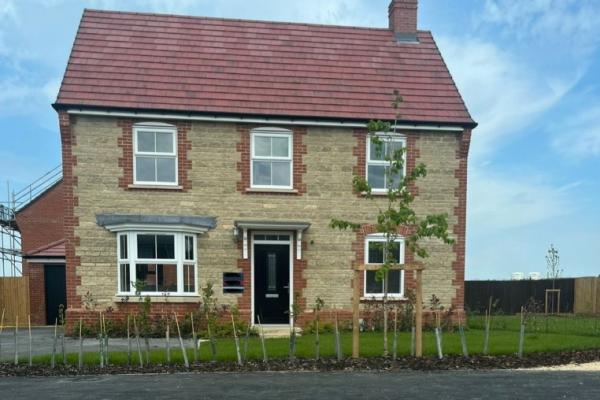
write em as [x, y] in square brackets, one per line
[389, 137]
[379, 237]
[272, 132]
[155, 127]
[179, 260]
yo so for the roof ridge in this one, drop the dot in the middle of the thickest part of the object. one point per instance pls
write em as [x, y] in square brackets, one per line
[278, 22]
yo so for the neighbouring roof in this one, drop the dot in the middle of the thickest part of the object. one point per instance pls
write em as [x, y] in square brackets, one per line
[168, 63]
[52, 250]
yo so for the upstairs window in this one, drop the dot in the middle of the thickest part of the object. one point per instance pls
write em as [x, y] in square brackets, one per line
[155, 157]
[158, 262]
[271, 165]
[375, 254]
[378, 167]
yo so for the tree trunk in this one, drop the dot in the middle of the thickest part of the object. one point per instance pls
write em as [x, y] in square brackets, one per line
[385, 315]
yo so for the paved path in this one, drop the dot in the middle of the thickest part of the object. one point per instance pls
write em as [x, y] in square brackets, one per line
[492, 385]
[43, 338]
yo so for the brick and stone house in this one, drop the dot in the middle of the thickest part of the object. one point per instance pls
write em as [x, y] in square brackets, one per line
[204, 150]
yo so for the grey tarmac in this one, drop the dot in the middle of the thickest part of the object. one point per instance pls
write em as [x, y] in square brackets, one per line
[463, 385]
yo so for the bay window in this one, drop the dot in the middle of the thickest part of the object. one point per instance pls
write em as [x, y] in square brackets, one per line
[375, 253]
[157, 263]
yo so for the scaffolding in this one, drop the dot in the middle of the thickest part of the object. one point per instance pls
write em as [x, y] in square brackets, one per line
[10, 237]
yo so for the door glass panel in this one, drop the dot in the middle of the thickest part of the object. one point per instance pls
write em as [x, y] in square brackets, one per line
[271, 272]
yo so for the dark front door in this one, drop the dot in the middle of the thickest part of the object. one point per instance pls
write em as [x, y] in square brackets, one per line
[272, 283]
[56, 291]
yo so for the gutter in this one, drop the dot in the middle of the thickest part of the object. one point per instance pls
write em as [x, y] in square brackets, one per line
[250, 119]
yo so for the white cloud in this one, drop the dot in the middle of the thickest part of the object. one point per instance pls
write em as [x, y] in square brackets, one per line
[513, 200]
[502, 93]
[568, 21]
[579, 136]
[7, 10]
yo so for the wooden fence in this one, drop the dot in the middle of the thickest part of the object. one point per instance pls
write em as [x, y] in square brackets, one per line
[14, 300]
[587, 296]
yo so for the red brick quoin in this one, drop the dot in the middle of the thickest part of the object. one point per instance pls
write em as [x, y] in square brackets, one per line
[72, 261]
[460, 212]
[243, 166]
[184, 164]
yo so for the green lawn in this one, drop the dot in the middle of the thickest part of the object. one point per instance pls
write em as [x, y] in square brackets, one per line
[567, 324]
[501, 342]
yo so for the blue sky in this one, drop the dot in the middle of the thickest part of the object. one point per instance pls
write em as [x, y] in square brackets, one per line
[528, 71]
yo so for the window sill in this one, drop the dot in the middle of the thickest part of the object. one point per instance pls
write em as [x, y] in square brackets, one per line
[269, 190]
[154, 187]
[122, 298]
[380, 298]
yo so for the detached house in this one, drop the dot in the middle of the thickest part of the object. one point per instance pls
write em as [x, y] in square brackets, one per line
[203, 150]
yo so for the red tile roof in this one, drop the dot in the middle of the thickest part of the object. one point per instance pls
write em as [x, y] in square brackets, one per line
[56, 249]
[208, 65]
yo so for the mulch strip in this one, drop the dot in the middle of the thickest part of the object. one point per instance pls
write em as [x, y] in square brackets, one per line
[378, 364]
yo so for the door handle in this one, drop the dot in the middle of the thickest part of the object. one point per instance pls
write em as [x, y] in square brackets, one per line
[286, 287]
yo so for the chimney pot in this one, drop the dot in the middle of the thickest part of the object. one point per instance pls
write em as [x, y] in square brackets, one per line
[403, 19]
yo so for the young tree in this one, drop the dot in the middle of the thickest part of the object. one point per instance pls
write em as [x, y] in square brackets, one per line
[553, 265]
[398, 214]
[553, 272]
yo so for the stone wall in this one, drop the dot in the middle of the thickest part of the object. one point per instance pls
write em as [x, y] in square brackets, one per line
[214, 154]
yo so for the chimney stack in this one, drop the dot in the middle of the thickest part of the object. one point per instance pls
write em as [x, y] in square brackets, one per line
[403, 19]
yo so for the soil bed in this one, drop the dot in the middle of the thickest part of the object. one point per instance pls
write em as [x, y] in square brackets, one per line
[364, 364]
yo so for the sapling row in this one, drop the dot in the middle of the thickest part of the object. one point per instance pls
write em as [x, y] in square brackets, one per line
[463, 339]
[522, 333]
[183, 351]
[237, 342]
[262, 341]
[53, 359]
[17, 340]
[338, 342]
[80, 363]
[168, 341]
[438, 336]
[1, 329]
[137, 339]
[128, 342]
[194, 338]
[486, 337]
[30, 341]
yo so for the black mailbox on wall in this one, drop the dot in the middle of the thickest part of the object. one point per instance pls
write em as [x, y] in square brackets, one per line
[233, 282]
